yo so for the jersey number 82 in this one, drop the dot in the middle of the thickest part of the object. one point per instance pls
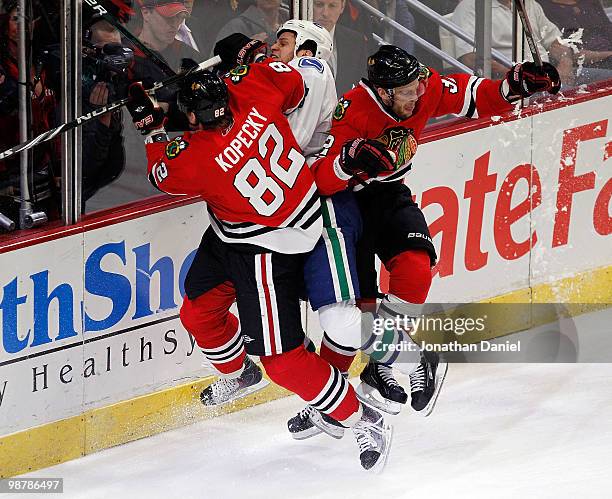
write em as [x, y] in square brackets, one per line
[256, 191]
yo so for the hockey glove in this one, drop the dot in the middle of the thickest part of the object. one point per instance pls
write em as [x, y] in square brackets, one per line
[525, 79]
[237, 50]
[147, 117]
[365, 158]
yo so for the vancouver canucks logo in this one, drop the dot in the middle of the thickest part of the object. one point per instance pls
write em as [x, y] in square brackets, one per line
[175, 147]
[341, 108]
[238, 73]
[401, 141]
[311, 62]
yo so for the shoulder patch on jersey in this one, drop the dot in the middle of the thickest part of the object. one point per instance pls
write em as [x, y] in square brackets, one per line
[401, 141]
[311, 62]
[175, 147]
[424, 72]
[238, 73]
[341, 108]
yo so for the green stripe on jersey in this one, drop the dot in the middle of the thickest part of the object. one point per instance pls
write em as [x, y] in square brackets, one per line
[332, 235]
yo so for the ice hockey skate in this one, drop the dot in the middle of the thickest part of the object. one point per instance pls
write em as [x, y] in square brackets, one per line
[310, 422]
[426, 382]
[373, 436]
[226, 390]
[379, 389]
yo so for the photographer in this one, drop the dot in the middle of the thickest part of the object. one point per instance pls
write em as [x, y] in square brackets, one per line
[104, 81]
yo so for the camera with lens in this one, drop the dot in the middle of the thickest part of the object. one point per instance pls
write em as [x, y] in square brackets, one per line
[109, 64]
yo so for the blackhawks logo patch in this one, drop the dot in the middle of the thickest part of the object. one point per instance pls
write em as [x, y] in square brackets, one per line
[341, 108]
[175, 147]
[401, 141]
[238, 73]
[424, 72]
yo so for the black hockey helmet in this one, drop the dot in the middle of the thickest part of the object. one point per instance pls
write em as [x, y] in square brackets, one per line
[392, 67]
[204, 94]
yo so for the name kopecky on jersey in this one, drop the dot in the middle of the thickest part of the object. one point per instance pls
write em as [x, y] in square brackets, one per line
[248, 133]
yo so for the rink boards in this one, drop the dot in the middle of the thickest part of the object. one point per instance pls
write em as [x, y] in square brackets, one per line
[93, 353]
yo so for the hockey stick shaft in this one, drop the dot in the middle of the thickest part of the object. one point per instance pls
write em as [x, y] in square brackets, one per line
[99, 9]
[522, 12]
[50, 134]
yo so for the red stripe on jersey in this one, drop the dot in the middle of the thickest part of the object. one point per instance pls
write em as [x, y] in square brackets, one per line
[264, 279]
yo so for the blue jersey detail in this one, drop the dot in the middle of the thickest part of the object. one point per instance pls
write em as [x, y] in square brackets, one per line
[311, 62]
[319, 276]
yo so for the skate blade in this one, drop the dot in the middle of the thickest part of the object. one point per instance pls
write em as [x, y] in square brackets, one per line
[440, 377]
[382, 460]
[331, 430]
[310, 432]
[240, 394]
[371, 397]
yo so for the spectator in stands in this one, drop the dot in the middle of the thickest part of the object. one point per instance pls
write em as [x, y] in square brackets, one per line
[351, 48]
[161, 20]
[424, 27]
[8, 86]
[103, 154]
[359, 19]
[259, 21]
[46, 22]
[592, 45]
[185, 34]
[45, 164]
[404, 16]
[546, 33]
[208, 17]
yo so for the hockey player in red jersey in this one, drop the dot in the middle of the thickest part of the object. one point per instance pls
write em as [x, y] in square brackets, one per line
[243, 160]
[373, 139]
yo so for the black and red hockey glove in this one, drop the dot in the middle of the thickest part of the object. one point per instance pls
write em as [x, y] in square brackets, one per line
[238, 49]
[147, 117]
[365, 158]
[525, 79]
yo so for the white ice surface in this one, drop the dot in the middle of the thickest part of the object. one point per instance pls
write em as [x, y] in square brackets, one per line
[499, 430]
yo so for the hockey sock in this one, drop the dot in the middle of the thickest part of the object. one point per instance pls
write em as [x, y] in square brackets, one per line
[385, 342]
[392, 327]
[337, 355]
[410, 275]
[215, 329]
[409, 282]
[315, 381]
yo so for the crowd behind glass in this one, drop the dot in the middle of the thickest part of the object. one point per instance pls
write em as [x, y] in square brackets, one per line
[574, 34]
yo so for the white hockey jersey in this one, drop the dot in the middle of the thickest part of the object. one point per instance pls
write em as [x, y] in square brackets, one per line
[310, 123]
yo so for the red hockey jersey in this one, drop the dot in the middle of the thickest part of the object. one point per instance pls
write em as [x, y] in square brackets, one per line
[257, 185]
[360, 114]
